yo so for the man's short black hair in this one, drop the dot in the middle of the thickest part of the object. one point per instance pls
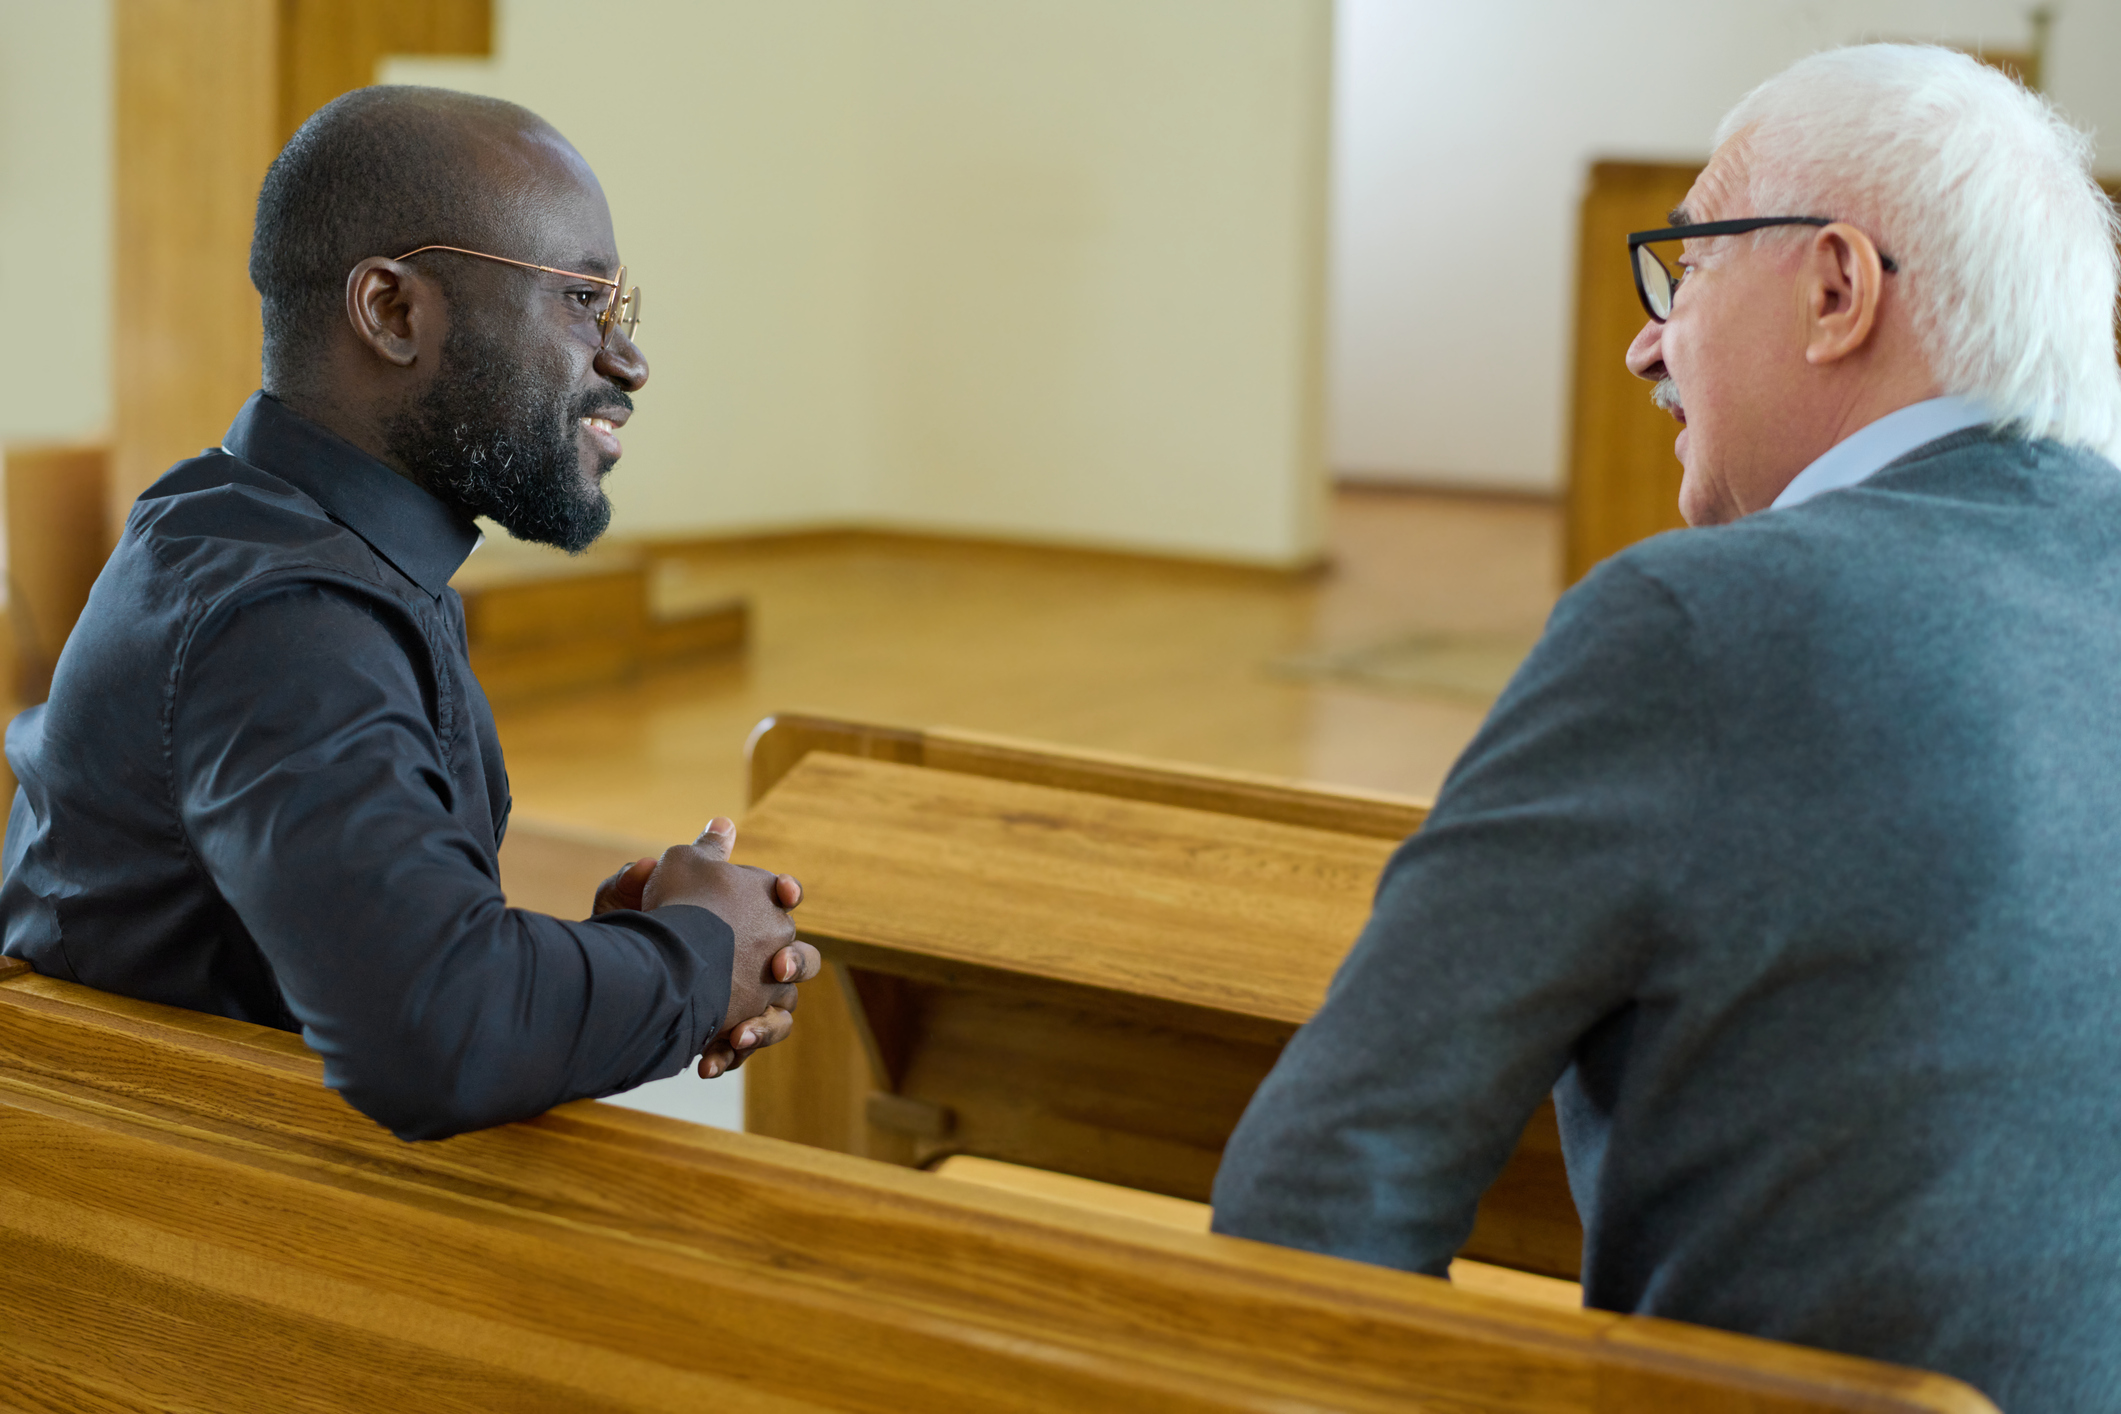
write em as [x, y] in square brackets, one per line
[378, 171]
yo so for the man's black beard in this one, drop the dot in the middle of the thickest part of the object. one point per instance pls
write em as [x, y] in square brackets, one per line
[495, 437]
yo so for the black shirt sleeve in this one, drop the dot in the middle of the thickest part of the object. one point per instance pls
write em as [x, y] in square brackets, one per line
[311, 786]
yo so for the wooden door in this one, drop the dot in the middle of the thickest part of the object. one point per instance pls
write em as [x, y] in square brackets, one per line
[1623, 478]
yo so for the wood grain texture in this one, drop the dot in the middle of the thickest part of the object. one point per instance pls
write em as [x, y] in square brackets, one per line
[538, 624]
[197, 98]
[1195, 1217]
[329, 47]
[207, 91]
[58, 536]
[1083, 983]
[1006, 1062]
[1187, 908]
[1116, 657]
[1623, 477]
[193, 1222]
[713, 631]
[1077, 1192]
[535, 611]
[778, 742]
[813, 1088]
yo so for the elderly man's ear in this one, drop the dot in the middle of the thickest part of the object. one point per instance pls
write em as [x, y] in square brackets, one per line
[393, 309]
[1839, 285]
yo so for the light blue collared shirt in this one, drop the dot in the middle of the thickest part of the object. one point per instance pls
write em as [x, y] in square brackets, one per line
[1855, 457]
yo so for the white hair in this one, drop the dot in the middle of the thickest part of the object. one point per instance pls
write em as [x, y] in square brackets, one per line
[1983, 194]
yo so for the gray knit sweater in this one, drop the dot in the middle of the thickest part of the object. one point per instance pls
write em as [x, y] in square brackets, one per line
[1791, 862]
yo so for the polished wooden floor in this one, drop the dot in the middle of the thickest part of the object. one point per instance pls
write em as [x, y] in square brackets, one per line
[1161, 660]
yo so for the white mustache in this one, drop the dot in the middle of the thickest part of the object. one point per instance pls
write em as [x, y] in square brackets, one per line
[1666, 396]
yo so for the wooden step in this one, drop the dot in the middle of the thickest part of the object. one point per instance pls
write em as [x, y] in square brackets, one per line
[541, 622]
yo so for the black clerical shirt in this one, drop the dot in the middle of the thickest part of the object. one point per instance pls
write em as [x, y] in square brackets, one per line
[267, 785]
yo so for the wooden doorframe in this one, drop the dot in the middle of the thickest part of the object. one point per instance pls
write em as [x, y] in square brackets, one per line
[1623, 477]
[207, 92]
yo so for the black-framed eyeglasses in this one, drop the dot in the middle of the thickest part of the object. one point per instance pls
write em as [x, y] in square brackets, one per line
[1654, 281]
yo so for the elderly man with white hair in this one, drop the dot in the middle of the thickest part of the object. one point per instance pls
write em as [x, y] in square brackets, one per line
[1791, 859]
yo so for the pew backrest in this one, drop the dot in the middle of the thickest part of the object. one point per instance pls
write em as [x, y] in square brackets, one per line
[189, 1219]
[780, 741]
[992, 910]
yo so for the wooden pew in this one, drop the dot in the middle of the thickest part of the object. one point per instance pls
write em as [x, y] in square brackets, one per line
[1070, 960]
[1197, 1217]
[189, 1220]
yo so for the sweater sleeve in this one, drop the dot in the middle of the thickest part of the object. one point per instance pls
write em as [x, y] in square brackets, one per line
[1521, 916]
[310, 785]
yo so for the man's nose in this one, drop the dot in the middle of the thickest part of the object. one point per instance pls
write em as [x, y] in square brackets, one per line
[622, 362]
[1646, 354]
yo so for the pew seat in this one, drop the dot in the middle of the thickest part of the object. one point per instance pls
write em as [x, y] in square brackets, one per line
[1194, 1217]
[190, 1221]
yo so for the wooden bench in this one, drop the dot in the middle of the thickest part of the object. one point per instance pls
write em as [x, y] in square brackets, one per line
[1070, 960]
[189, 1220]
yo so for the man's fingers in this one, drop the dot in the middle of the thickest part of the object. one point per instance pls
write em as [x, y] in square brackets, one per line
[719, 837]
[786, 891]
[798, 962]
[772, 1025]
[719, 1060]
[606, 897]
[634, 878]
[768, 1028]
[623, 889]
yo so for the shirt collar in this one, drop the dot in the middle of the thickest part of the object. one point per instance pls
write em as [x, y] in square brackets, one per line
[1871, 449]
[402, 522]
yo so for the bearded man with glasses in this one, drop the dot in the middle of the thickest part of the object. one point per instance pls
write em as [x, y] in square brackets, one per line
[266, 783]
[1788, 861]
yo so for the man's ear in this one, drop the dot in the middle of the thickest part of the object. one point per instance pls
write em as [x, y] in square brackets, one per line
[1840, 283]
[393, 309]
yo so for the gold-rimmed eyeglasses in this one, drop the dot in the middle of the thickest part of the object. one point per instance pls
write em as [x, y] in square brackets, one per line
[621, 311]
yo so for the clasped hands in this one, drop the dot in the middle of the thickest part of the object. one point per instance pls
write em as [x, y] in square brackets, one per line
[754, 903]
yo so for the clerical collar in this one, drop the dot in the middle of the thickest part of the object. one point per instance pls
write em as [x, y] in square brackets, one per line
[403, 523]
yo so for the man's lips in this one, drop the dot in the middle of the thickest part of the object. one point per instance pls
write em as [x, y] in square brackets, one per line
[1666, 396]
[603, 429]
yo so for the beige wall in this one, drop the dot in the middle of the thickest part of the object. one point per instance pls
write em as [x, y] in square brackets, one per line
[1047, 269]
[1451, 351]
[730, 152]
[55, 234]
[1097, 266]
